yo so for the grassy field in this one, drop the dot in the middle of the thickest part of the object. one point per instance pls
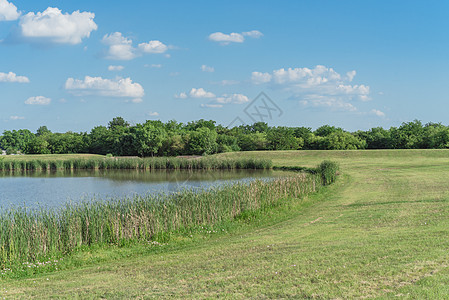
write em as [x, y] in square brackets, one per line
[380, 232]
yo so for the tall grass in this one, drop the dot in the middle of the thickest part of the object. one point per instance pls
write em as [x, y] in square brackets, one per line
[208, 163]
[328, 171]
[31, 235]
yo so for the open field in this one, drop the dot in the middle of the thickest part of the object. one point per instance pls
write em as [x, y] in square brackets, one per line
[380, 231]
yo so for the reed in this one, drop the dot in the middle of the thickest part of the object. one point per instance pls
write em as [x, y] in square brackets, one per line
[208, 163]
[32, 235]
[328, 171]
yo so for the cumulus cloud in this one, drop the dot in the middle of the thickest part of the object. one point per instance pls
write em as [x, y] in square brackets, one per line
[219, 102]
[55, 27]
[97, 86]
[196, 93]
[121, 48]
[378, 113]
[362, 91]
[205, 68]
[200, 93]
[116, 68]
[253, 33]
[259, 78]
[12, 77]
[8, 11]
[215, 102]
[327, 102]
[351, 74]
[153, 47]
[318, 86]
[38, 100]
[233, 37]
[233, 98]
[153, 114]
[182, 96]
[14, 118]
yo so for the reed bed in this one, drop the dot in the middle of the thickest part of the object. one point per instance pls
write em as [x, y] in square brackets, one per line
[153, 163]
[34, 235]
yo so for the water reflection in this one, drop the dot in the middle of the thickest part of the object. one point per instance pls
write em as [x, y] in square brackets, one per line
[55, 188]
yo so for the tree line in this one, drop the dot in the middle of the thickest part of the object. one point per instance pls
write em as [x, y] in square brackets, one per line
[202, 137]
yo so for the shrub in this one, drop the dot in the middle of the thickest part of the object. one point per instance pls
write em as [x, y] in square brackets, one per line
[328, 171]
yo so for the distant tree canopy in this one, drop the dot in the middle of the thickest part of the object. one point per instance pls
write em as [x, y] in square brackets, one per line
[156, 138]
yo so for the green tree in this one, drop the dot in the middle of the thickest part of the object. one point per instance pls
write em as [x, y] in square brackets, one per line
[37, 145]
[283, 138]
[252, 141]
[341, 140]
[117, 122]
[326, 130]
[202, 141]
[43, 130]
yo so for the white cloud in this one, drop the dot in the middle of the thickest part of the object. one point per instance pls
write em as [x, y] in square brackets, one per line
[116, 68]
[14, 118]
[55, 27]
[119, 87]
[362, 91]
[205, 68]
[226, 38]
[153, 114]
[196, 93]
[351, 75]
[200, 93]
[305, 77]
[12, 77]
[327, 102]
[216, 102]
[153, 47]
[181, 96]
[8, 11]
[233, 37]
[121, 48]
[378, 113]
[253, 33]
[259, 78]
[319, 86]
[38, 100]
[233, 98]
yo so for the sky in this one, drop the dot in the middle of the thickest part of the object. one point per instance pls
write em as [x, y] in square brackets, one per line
[74, 65]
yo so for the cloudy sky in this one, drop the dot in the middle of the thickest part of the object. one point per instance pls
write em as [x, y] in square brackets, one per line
[72, 65]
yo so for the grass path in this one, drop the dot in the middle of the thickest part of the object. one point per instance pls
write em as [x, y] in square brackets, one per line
[381, 231]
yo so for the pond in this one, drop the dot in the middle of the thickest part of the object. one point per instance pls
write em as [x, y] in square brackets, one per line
[56, 188]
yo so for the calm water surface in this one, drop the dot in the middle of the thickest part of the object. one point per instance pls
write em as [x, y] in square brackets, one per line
[56, 188]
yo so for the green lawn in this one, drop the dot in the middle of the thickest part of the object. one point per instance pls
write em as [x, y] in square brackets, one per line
[381, 231]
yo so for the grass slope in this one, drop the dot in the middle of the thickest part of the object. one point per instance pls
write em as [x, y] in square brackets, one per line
[380, 231]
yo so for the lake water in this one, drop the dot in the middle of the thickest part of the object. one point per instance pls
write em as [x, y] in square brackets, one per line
[56, 188]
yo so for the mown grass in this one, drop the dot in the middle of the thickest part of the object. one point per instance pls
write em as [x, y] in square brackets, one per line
[379, 232]
[45, 162]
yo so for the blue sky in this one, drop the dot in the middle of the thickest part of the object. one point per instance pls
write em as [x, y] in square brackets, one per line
[73, 65]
